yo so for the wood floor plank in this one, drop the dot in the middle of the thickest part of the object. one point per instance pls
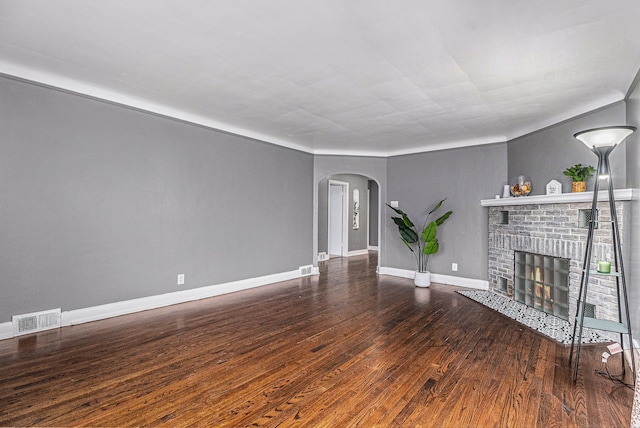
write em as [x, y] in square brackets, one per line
[347, 348]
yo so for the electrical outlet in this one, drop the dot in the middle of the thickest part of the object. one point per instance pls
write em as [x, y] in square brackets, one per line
[181, 279]
[454, 267]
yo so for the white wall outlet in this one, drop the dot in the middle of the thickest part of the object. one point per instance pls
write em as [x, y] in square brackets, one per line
[394, 204]
[181, 279]
[454, 267]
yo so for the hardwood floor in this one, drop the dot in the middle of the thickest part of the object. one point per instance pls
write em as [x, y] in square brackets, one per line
[347, 348]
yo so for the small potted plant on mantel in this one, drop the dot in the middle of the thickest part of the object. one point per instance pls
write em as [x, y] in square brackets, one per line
[426, 243]
[579, 175]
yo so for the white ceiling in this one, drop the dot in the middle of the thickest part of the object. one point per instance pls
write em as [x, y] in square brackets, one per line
[369, 77]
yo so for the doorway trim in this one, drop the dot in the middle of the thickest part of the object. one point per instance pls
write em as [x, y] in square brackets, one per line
[345, 216]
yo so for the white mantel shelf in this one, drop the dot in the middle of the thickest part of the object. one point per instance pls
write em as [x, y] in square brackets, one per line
[562, 198]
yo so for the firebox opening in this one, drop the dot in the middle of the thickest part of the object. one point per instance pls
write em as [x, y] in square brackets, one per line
[542, 282]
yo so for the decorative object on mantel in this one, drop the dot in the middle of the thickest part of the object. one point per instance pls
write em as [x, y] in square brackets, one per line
[579, 175]
[602, 141]
[506, 192]
[521, 186]
[426, 242]
[554, 187]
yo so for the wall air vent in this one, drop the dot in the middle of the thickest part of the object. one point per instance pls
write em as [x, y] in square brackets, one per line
[36, 321]
[323, 256]
[306, 270]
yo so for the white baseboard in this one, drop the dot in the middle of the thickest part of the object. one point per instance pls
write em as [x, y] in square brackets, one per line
[402, 273]
[109, 310]
[373, 248]
[6, 330]
[479, 284]
[357, 253]
[95, 313]
[439, 278]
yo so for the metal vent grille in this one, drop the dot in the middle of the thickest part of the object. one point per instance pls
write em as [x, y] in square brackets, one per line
[589, 310]
[584, 218]
[37, 321]
[306, 270]
[503, 285]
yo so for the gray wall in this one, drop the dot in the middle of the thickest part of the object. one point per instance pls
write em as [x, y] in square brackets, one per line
[632, 267]
[464, 176]
[373, 213]
[101, 203]
[544, 154]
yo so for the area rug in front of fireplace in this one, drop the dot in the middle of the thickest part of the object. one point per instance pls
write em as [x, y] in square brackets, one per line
[549, 325]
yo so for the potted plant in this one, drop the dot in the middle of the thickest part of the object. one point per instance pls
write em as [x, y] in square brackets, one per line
[579, 174]
[422, 244]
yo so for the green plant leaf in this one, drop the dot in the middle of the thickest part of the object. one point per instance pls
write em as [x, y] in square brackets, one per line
[408, 235]
[429, 233]
[438, 205]
[431, 247]
[406, 220]
[443, 218]
[397, 210]
[402, 221]
[407, 244]
[398, 221]
[579, 172]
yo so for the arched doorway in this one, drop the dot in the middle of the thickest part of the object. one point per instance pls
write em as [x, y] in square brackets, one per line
[374, 168]
[348, 216]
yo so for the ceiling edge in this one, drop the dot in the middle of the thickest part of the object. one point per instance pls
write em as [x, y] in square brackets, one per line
[603, 103]
[96, 93]
[75, 87]
[633, 85]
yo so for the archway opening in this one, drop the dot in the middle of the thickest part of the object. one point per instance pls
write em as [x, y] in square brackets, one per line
[348, 216]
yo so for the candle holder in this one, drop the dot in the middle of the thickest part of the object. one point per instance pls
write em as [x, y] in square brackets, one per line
[604, 267]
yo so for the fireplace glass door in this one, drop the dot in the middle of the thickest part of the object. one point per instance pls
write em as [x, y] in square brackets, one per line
[542, 282]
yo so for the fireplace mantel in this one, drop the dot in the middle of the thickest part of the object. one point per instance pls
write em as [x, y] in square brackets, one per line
[562, 198]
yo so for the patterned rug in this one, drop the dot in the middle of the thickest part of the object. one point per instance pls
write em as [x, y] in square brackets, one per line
[549, 325]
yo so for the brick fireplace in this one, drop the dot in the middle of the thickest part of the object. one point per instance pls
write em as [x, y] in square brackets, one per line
[553, 226]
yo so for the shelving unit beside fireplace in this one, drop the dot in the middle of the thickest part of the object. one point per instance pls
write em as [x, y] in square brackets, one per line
[542, 282]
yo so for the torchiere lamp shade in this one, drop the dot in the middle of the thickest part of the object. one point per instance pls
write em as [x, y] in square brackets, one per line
[604, 137]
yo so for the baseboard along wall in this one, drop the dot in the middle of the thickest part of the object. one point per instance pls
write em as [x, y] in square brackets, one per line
[479, 284]
[95, 313]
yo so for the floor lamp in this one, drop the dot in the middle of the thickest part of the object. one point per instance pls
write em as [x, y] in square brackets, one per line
[602, 141]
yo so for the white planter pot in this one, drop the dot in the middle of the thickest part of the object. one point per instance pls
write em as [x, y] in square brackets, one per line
[422, 279]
